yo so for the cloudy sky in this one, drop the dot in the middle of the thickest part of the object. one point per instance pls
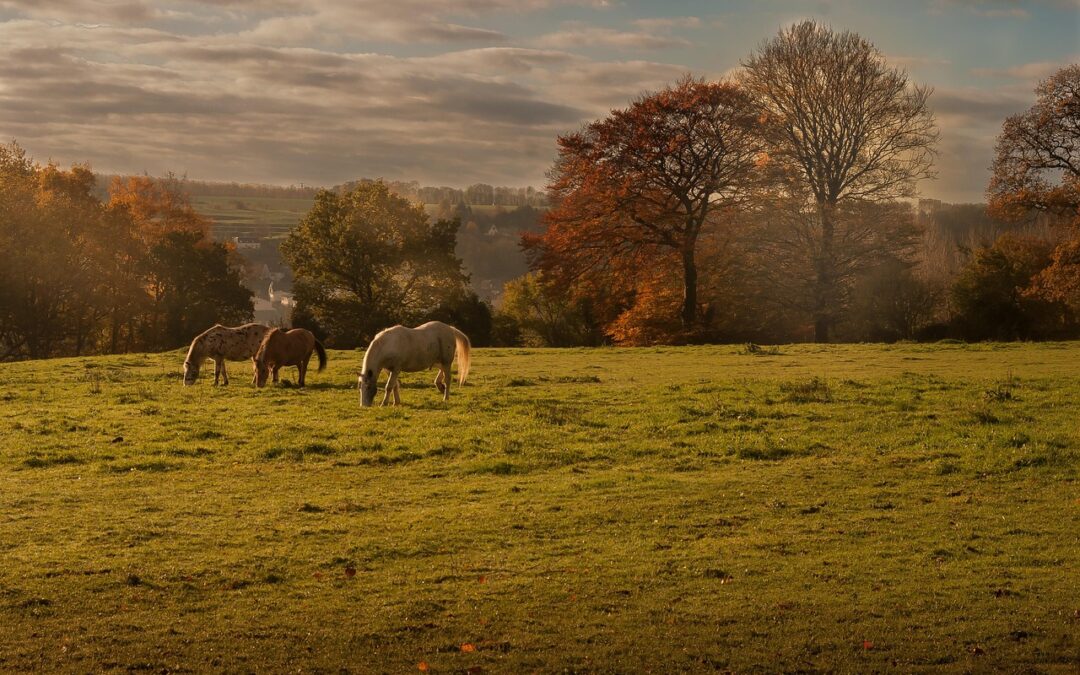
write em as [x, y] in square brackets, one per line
[456, 91]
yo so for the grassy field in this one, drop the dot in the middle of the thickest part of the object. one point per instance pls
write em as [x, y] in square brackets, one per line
[838, 508]
[258, 216]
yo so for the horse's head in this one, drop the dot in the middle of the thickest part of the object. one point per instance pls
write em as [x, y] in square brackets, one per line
[191, 371]
[367, 383]
[262, 368]
[262, 372]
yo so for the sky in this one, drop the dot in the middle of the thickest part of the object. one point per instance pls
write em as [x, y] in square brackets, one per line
[454, 92]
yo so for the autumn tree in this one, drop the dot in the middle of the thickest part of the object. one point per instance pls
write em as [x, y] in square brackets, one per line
[1036, 170]
[1037, 163]
[43, 219]
[157, 206]
[365, 259]
[842, 127]
[989, 297]
[81, 276]
[637, 191]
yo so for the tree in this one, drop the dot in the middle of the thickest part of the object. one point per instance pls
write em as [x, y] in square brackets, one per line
[193, 285]
[989, 299]
[81, 276]
[1060, 281]
[365, 259]
[157, 206]
[842, 126]
[1037, 165]
[647, 183]
[892, 302]
[543, 314]
[48, 220]
[789, 243]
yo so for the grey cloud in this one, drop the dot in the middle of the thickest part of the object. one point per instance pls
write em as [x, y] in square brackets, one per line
[977, 106]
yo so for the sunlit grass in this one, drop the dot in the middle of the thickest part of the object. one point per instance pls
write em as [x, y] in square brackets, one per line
[854, 508]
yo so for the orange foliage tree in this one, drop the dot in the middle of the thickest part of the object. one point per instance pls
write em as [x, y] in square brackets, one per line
[636, 192]
[1037, 170]
[158, 206]
[1037, 165]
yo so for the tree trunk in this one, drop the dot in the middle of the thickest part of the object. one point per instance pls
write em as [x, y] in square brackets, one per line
[690, 284]
[824, 293]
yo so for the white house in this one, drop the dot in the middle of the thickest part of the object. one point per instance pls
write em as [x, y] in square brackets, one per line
[247, 243]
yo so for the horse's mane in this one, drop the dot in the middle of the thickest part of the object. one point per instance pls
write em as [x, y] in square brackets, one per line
[195, 344]
[266, 340]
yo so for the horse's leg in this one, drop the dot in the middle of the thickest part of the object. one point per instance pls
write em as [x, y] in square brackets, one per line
[445, 372]
[224, 372]
[217, 370]
[301, 368]
[439, 379]
[276, 369]
[397, 390]
[391, 382]
[254, 371]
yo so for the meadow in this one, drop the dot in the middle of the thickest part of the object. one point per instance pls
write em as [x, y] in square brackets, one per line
[251, 216]
[803, 508]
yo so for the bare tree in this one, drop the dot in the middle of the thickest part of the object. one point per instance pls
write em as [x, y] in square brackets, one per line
[843, 127]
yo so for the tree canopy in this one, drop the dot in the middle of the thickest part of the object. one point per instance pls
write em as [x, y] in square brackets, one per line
[635, 192]
[365, 258]
[1037, 162]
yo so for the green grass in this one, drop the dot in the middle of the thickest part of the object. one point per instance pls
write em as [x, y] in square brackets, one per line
[840, 508]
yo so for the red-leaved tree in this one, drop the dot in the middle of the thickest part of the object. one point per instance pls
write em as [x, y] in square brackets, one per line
[636, 192]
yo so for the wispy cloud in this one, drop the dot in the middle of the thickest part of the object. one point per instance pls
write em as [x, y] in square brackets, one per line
[573, 35]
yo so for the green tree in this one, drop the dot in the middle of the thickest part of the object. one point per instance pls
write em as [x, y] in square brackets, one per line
[194, 285]
[989, 299]
[543, 314]
[365, 259]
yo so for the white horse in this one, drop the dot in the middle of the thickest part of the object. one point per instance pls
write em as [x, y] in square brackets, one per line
[410, 350]
[220, 343]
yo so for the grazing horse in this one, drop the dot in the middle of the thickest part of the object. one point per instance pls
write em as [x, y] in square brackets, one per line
[220, 343]
[400, 349]
[292, 348]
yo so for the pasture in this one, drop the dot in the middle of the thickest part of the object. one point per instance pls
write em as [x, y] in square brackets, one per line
[848, 508]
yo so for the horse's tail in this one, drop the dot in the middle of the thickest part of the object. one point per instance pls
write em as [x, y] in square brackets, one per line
[322, 355]
[462, 353]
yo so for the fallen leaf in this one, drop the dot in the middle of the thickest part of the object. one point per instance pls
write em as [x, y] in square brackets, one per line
[468, 647]
[422, 666]
[866, 644]
[350, 571]
[482, 579]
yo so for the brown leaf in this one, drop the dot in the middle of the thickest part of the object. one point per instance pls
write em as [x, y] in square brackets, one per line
[468, 647]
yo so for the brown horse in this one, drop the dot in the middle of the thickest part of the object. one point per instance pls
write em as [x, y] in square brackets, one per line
[280, 348]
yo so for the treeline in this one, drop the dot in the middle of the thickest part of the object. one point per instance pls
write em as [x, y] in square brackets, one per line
[773, 208]
[221, 189]
[82, 274]
[479, 194]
